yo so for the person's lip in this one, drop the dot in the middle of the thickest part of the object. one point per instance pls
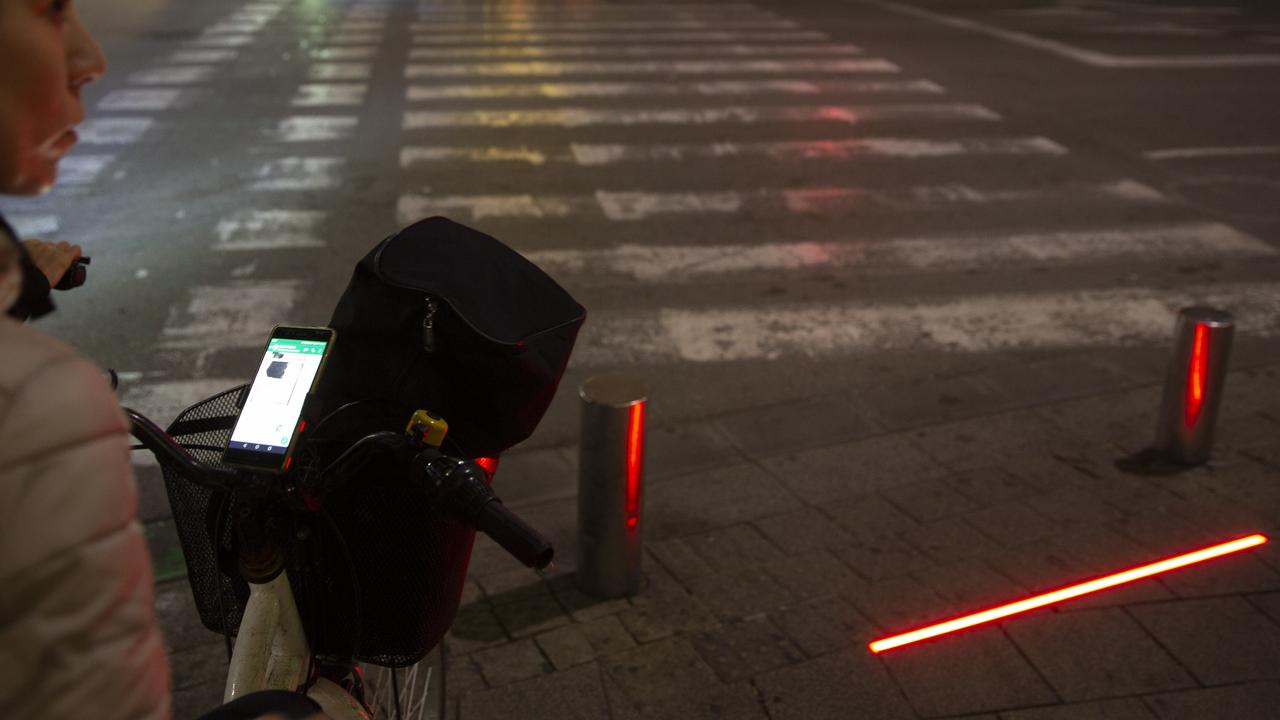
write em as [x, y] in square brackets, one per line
[64, 142]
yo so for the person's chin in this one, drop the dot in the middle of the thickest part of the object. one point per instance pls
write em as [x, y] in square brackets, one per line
[36, 180]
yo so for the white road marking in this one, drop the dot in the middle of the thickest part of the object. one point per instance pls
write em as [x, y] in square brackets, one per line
[981, 323]
[363, 38]
[600, 25]
[223, 41]
[1092, 58]
[339, 71]
[618, 37]
[81, 169]
[1208, 152]
[135, 99]
[508, 52]
[359, 26]
[647, 67]
[731, 9]
[311, 128]
[420, 93]
[162, 401]
[177, 75]
[297, 173]
[686, 263]
[584, 117]
[269, 230]
[238, 315]
[237, 27]
[596, 154]
[27, 226]
[589, 154]
[114, 130]
[203, 56]
[624, 206]
[414, 155]
[343, 53]
[329, 95]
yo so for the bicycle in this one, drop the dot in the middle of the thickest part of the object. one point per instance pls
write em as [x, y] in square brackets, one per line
[274, 523]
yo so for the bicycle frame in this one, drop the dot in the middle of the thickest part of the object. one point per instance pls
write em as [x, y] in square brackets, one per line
[271, 653]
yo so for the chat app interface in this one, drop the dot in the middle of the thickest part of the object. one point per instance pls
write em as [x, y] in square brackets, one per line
[275, 401]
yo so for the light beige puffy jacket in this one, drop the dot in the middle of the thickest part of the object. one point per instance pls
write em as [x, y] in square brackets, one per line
[78, 637]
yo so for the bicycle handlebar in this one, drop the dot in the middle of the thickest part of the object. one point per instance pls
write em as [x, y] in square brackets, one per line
[463, 490]
[168, 450]
[460, 485]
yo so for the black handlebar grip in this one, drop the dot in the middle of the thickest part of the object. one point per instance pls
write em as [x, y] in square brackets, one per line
[514, 535]
[75, 275]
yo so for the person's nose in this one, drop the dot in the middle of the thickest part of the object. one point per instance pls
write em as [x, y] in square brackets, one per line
[85, 61]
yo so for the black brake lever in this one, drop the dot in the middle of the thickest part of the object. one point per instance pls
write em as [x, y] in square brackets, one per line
[75, 275]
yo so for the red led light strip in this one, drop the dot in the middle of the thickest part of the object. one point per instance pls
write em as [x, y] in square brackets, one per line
[1066, 593]
[635, 439]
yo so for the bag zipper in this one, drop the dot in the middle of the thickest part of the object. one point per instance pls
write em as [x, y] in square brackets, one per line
[429, 325]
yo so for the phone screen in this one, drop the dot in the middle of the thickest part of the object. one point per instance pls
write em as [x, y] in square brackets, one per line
[264, 432]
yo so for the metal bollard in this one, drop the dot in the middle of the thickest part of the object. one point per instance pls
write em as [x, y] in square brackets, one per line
[1194, 384]
[610, 486]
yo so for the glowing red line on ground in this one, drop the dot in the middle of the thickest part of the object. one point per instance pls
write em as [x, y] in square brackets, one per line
[635, 439]
[1066, 593]
[1196, 375]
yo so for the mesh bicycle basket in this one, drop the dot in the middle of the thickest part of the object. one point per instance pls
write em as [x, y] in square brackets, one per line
[377, 573]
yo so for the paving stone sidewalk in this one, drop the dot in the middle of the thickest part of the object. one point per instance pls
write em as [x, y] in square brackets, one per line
[770, 566]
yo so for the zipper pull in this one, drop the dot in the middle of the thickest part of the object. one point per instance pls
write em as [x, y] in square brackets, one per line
[428, 326]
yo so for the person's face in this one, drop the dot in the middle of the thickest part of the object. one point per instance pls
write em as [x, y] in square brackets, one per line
[46, 57]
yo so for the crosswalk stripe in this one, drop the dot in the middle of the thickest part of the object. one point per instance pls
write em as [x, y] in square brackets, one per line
[314, 128]
[323, 71]
[618, 37]
[598, 25]
[414, 71]
[220, 317]
[140, 99]
[821, 201]
[588, 154]
[26, 226]
[269, 229]
[981, 323]
[223, 41]
[686, 263]
[343, 53]
[329, 95]
[114, 130]
[718, 10]
[423, 93]
[297, 173]
[360, 38]
[203, 56]
[738, 115]
[175, 75]
[516, 52]
[79, 170]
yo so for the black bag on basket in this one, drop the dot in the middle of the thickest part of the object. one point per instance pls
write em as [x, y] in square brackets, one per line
[443, 317]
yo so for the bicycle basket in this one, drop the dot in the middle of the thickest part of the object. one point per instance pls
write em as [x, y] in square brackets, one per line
[379, 575]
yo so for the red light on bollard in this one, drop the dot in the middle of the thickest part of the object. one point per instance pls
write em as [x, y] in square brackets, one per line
[635, 450]
[1195, 374]
[1067, 593]
[1194, 385]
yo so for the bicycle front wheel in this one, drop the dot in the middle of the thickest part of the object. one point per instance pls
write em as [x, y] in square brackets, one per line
[416, 692]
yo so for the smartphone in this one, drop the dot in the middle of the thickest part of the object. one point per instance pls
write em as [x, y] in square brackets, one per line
[271, 420]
